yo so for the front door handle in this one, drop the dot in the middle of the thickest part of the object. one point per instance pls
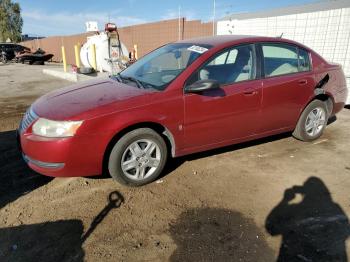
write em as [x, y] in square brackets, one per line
[250, 93]
[302, 82]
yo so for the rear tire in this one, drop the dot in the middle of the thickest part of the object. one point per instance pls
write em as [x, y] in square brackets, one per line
[312, 121]
[138, 158]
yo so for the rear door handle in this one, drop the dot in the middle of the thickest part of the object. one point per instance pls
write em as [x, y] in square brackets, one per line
[302, 82]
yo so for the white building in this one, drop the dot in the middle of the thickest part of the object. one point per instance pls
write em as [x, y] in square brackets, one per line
[323, 26]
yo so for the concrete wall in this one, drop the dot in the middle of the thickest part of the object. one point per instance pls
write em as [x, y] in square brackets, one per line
[147, 37]
[326, 32]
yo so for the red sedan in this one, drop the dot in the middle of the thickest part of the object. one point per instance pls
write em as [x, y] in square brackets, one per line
[184, 97]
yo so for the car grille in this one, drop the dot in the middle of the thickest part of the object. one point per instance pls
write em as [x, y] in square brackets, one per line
[28, 118]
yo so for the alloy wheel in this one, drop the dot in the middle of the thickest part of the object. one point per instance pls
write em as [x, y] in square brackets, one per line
[141, 159]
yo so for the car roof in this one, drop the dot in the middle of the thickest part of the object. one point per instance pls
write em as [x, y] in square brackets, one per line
[220, 40]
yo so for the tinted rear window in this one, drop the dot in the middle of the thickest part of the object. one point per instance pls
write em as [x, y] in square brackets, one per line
[280, 59]
[283, 59]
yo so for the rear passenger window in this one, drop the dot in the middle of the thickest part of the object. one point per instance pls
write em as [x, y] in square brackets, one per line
[280, 59]
[304, 61]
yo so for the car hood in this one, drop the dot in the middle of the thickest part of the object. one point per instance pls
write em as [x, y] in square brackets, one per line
[89, 99]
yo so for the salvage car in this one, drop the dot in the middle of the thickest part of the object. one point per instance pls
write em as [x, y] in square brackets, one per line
[11, 49]
[184, 97]
[39, 57]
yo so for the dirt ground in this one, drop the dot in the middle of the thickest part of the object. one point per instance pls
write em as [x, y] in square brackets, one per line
[275, 197]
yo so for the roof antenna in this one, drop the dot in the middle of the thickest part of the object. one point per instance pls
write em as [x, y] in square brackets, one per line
[281, 35]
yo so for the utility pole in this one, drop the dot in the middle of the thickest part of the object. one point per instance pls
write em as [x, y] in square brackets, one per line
[214, 18]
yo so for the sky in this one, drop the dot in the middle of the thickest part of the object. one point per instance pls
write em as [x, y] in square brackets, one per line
[66, 17]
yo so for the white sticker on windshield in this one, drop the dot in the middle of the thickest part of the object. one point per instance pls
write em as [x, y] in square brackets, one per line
[197, 49]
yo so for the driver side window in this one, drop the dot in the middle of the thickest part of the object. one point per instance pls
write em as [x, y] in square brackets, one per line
[231, 66]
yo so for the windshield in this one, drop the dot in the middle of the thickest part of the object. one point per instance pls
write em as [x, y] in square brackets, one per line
[160, 67]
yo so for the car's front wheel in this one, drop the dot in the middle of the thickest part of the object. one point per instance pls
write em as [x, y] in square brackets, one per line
[312, 121]
[138, 157]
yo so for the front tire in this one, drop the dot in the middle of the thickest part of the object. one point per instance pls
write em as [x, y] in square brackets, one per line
[312, 121]
[138, 158]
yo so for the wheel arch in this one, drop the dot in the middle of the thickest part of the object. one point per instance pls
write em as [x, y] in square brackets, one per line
[325, 97]
[328, 99]
[160, 129]
[321, 94]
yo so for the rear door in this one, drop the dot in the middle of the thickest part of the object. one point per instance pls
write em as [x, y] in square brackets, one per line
[231, 112]
[287, 85]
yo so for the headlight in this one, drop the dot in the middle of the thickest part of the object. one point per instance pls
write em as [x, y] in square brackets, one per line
[50, 128]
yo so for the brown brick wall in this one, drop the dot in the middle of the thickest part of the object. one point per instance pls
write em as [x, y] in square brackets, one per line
[146, 36]
[53, 45]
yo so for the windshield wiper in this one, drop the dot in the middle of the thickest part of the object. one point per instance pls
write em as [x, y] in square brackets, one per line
[117, 77]
[133, 79]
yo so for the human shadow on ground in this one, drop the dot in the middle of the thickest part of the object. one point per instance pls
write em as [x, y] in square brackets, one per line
[16, 178]
[51, 241]
[215, 234]
[314, 229]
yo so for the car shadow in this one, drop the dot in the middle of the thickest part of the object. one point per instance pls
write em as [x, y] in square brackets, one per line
[51, 241]
[174, 163]
[313, 229]
[16, 178]
[332, 120]
[215, 234]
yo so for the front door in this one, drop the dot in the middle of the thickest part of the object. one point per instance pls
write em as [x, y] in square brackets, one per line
[221, 116]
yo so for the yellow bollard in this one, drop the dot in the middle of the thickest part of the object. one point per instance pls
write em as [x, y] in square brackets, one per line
[136, 55]
[64, 59]
[93, 50]
[77, 57]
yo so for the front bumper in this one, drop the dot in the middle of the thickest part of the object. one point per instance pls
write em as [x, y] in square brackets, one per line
[63, 157]
[41, 164]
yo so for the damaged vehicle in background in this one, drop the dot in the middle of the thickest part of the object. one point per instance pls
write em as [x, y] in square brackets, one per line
[39, 57]
[182, 98]
[8, 51]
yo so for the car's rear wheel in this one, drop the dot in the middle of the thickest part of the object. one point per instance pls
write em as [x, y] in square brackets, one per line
[138, 157]
[312, 121]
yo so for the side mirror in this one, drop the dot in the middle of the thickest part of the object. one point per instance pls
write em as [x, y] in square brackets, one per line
[202, 85]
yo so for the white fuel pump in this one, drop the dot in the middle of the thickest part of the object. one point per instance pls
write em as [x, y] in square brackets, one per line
[111, 53]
